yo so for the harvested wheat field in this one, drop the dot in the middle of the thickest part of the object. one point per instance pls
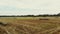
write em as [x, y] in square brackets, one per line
[29, 25]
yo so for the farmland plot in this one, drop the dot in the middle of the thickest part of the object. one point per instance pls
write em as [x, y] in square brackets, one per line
[29, 25]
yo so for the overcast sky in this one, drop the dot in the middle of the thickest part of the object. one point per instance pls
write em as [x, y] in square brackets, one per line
[23, 7]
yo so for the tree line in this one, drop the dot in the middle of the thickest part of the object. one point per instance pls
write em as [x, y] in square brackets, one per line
[44, 15]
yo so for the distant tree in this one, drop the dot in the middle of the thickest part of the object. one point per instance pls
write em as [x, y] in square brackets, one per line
[30, 15]
[58, 14]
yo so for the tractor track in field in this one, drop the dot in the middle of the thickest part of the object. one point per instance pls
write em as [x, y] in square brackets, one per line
[29, 27]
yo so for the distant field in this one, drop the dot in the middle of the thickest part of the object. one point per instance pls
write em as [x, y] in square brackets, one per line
[30, 25]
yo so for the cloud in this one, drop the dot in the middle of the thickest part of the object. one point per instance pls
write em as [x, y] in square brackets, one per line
[29, 6]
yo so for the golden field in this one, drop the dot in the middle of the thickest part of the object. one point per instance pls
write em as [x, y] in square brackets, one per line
[30, 25]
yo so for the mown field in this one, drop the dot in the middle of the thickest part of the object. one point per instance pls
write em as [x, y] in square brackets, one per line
[30, 25]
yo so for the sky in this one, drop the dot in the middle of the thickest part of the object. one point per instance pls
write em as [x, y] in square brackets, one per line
[25, 7]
